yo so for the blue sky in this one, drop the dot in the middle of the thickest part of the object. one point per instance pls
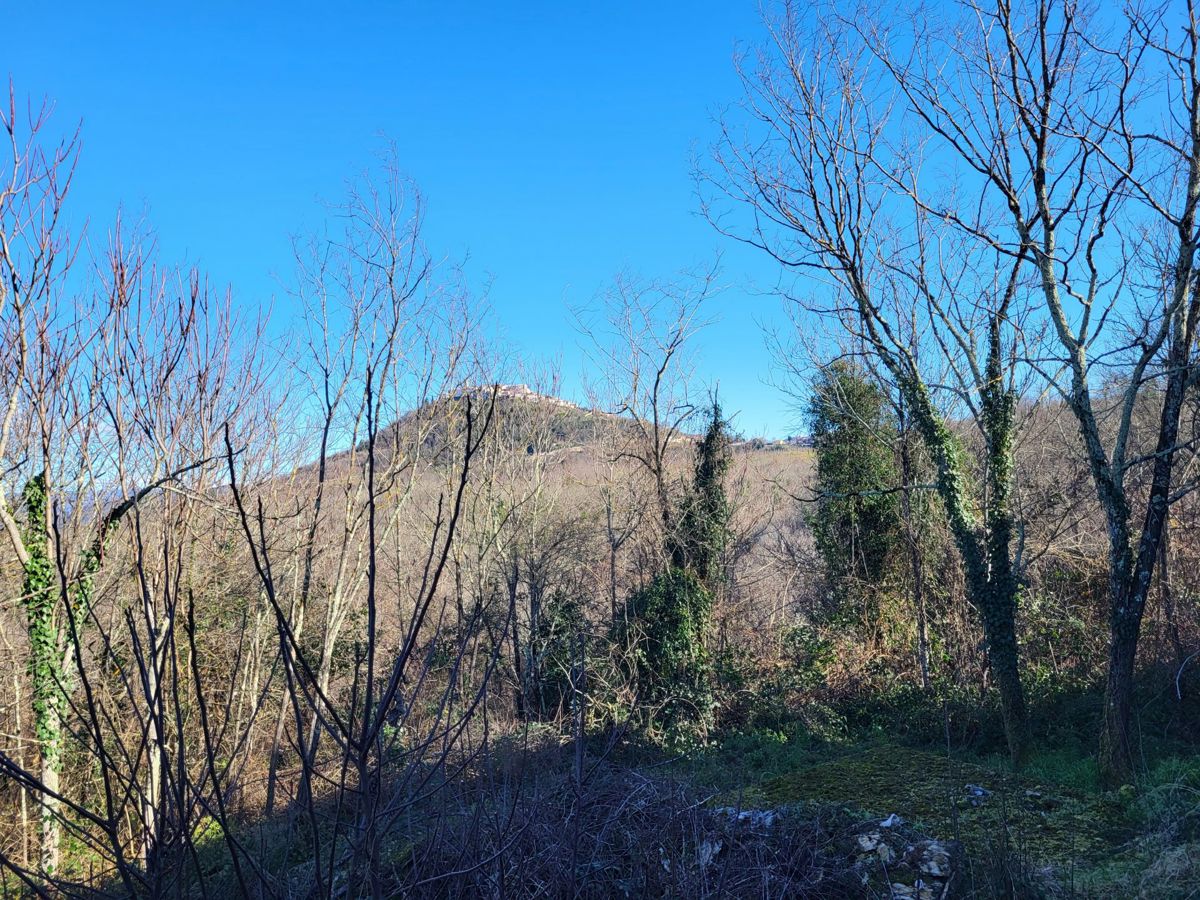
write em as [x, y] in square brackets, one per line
[553, 143]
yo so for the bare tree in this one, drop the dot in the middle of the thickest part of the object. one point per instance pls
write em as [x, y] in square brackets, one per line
[373, 312]
[1080, 158]
[141, 384]
[1031, 137]
[639, 344]
[42, 356]
[830, 185]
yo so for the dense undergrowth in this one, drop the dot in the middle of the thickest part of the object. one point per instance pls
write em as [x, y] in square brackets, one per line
[612, 814]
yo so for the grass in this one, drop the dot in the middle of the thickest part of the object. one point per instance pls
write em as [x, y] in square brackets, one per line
[1058, 824]
[913, 754]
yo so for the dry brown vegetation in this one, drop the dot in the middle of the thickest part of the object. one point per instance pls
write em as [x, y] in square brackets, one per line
[350, 615]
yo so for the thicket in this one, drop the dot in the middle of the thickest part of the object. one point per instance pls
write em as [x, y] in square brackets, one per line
[663, 637]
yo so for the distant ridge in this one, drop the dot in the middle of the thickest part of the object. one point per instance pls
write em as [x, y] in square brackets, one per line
[527, 420]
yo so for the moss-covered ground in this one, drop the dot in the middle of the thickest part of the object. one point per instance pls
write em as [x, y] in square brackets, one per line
[1052, 822]
[961, 800]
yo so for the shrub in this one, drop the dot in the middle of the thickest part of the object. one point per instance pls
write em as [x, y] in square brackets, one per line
[855, 526]
[666, 659]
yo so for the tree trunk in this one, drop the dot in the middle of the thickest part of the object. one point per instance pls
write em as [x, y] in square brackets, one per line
[276, 742]
[534, 675]
[46, 658]
[152, 811]
[280, 721]
[914, 549]
[992, 586]
[48, 815]
[1003, 589]
[1130, 587]
[1116, 739]
[1168, 595]
[515, 634]
[1003, 656]
[612, 582]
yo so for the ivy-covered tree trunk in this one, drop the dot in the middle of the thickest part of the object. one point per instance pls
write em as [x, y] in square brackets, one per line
[1003, 586]
[45, 657]
[666, 623]
[985, 548]
[911, 517]
[699, 540]
[51, 660]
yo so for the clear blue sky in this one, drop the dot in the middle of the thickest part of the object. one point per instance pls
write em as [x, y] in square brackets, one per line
[553, 142]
